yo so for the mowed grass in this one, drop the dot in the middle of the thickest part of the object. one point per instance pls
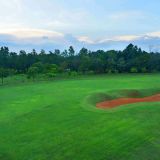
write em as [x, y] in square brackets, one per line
[54, 121]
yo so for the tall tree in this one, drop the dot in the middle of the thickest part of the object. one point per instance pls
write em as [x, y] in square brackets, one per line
[71, 51]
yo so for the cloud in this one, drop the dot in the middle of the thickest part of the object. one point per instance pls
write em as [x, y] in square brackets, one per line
[153, 34]
[27, 38]
[85, 39]
[31, 33]
[125, 38]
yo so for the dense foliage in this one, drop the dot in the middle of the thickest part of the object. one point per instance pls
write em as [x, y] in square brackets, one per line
[131, 60]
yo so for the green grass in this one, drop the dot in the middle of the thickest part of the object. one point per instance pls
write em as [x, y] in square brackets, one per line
[56, 121]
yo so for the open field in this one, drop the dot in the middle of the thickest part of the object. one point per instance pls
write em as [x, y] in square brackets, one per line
[59, 120]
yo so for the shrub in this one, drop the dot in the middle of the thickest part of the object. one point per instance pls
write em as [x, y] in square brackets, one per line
[74, 73]
[32, 72]
[144, 70]
[133, 70]
[90, 72]
[50, 75]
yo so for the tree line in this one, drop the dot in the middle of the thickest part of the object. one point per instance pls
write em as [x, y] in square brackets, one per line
[131, 60]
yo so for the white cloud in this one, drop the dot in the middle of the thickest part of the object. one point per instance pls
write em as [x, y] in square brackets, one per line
[47, 38]
[31, 36]
[125, 38]
[154, 34]
[31, 33]
[85, 39]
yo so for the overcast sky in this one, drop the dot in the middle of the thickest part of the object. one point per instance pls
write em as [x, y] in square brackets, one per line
[95, 24]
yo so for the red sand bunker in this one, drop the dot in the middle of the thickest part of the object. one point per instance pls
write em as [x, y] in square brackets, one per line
[122, 101]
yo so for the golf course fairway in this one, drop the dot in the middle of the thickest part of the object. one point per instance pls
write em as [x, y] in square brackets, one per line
[59, 120]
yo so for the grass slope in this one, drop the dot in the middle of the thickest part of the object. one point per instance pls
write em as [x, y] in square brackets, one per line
[54, 120]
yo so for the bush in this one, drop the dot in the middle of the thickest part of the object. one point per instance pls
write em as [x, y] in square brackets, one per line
[109, 71]
[3, 73]
[90, 72]
[74, 74]
[115, 71]
[133, 70]
[12, 72]
[50, 75]
[32, 72]
[144, 70]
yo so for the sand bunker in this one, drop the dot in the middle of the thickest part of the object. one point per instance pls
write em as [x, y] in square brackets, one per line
[123, 101]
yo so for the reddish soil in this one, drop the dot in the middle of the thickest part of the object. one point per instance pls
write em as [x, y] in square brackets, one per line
[123, 101]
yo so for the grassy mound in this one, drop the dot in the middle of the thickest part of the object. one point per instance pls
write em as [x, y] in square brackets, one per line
[128, 93]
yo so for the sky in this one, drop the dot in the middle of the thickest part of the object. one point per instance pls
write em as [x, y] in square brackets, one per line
[94, 24]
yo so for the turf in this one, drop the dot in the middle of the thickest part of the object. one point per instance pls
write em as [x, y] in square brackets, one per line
[55, 121]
